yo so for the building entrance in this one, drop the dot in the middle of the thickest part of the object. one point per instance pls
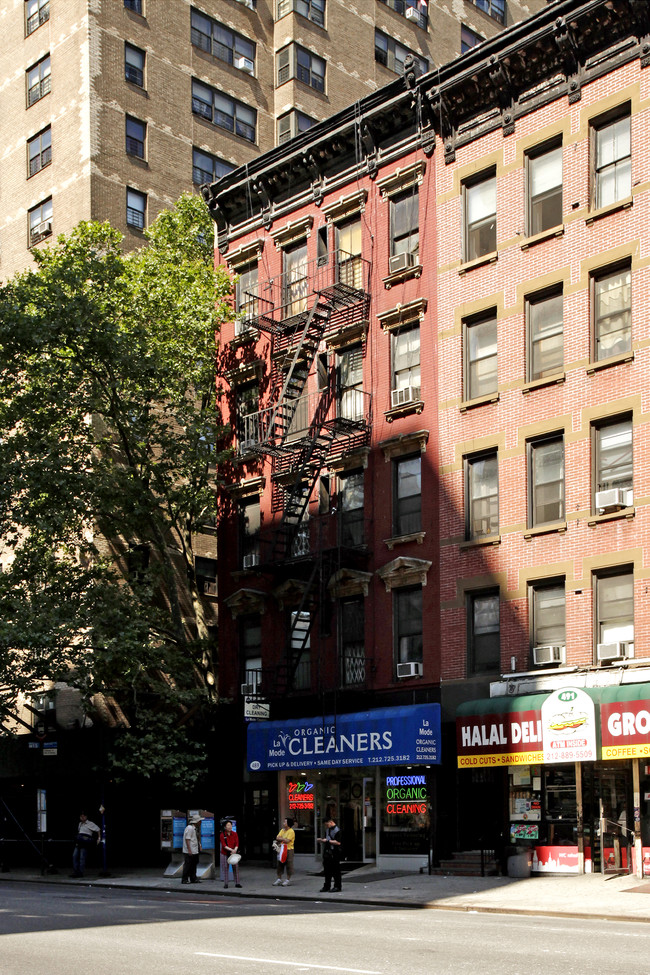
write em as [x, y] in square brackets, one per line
[609, 816]
[350, 799]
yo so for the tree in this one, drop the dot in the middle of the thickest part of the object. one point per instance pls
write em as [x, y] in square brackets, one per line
[107, 465]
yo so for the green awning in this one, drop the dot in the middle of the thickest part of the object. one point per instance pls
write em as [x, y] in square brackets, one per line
[533, 702]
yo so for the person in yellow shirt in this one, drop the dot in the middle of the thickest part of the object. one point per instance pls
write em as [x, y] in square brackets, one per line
[285, 840]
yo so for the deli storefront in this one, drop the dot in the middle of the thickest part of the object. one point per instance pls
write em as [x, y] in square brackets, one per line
[373, 771]
[578, 773]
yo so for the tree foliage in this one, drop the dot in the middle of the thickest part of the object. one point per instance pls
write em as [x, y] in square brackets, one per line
[107, 462]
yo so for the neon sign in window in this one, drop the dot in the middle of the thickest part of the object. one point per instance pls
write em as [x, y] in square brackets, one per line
[406, 794]
[301, 795]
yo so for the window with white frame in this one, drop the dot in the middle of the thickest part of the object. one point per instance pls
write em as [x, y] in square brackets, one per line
[483, 632]
[249, 531]
[614, 623]
[544, 334]
[547, 616]
[297, 62]
[544, 188]
[408, 624]
[136, 208]
[350, 383]
[39, 151]
[313, 10]
[248, 417]
[545, 480]
[612, 451]
[134, 62]
[40, 222]
[407, 495]
[481, 495]
[348, 246]
[480, 356]
[612, 158]
[405, 362]
[222, 42]
[225, 112]
[39, 81]
[351, 509]
[405, 223]
[612, 312]
[37, 13]
[246, 295]
[207, 168]
[480, 216]
[392, 54]
[293, 123]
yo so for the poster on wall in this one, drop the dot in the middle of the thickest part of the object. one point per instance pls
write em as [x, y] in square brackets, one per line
[569, 727]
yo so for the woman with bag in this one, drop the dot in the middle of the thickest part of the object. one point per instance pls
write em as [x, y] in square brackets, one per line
[284, 842]
[229, 842]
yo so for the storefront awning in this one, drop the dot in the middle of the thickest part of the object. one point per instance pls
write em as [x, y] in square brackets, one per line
[383, 736]
[570, 724]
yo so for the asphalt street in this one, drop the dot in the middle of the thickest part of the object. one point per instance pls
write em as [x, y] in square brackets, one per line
[74, 931]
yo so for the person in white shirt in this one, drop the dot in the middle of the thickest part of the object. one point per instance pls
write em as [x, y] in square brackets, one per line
[87, 834]
[191, 850]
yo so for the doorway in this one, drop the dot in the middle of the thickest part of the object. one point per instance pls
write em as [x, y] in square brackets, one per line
[609, 816]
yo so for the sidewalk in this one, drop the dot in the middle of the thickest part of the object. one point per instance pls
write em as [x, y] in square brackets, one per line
[588, 896]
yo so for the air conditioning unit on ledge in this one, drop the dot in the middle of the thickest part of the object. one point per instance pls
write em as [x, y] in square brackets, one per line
[549, 655]
[209, 587]
[248, 689]
[244, 64]
[251, 560]
[404, 671]
[400, 262]
[411, 14]
[612, 500]
[409, 394]
[622, 650]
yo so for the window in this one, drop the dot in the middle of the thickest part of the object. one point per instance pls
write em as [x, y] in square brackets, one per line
[612, 451]
[407, 623]
[614, 609]
[545, 480]
[136, 133]
[246, 294]
[348, 245]
[40, 222]
[248, 418]
[480, 354]
[480, 210]
[250, 650]
[224, 112]
[404, 223]
[297, 62]
[494, 8]
[612, 159]
[300, 649]
[249, 532]
[222, 42]
[547, 614]
[207, 168]
[415, 11]
[612, 312]
[134, 5]
[136, 209]
[37, 12]
[350, 379]
[134, 60]
[293, 123]
[405, 360]
[544, 188]
[407, 495]
[544, 335]
[469, 39]
[351, 509]
[205, 571]
[483, 650]
[39, 81]
[314, 10]
[296, 279]
[39, 151]
[392, 55]
[352, 642]
[481, 495]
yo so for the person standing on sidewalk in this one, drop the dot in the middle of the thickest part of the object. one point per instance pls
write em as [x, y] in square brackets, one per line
[191, 849]
[331, 856]
[86, 832]
[229, 844]
[286, 839]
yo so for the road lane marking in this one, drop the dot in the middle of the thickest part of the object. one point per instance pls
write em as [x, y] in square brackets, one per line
[295, 964]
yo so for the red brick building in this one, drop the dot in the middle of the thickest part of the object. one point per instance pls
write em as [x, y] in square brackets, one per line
[438, 388]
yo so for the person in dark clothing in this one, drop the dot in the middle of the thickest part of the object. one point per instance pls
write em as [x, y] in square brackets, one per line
[331, 856]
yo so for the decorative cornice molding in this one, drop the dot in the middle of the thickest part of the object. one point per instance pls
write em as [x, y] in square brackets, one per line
[405, 443]
[346, 206]
[349, 582]
[292, 232]
[412, 311]
[403, 178]
[248, 252]
[244, 489]
[246, 601]
[404, 571]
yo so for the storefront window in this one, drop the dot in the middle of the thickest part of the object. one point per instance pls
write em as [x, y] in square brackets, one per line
[405, 811]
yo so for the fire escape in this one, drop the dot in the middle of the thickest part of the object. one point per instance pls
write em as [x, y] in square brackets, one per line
[302, 429]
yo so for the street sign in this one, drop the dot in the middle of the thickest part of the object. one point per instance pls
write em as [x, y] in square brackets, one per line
[256, 709]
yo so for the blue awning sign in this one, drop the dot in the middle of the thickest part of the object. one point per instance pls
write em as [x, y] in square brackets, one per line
[383, 736]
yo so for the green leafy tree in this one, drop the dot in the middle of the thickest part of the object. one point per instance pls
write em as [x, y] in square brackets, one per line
[108, 462]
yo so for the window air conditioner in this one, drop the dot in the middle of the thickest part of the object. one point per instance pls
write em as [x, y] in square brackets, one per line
[409, 394]
[400, 262]
[251, 560]
[209, 587]
[41, 230]
[248, 689]
[615, 651]
[412, 669]
[411, 14]
[549, 655]
[244, 64]
[612, 500]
